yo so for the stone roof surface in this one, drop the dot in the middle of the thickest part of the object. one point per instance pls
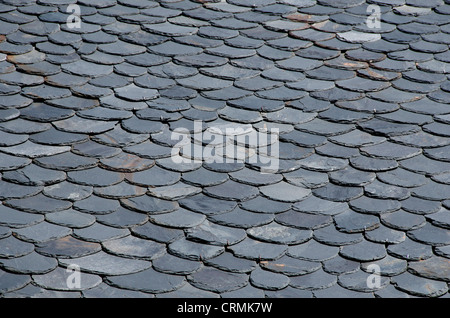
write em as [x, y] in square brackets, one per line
[92, 94]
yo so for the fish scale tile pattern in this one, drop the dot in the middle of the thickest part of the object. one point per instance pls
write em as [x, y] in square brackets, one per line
[91, 174]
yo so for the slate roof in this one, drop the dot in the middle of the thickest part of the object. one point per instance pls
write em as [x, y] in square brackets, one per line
[86, 116]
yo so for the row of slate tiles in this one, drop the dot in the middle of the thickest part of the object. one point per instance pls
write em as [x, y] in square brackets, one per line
[315, 162]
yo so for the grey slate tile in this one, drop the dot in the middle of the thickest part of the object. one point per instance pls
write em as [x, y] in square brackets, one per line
[122, 218]
[418, 286]
[314, 281]
[194, 251]
[353, 222]
[13, 247]
[175, 265]
[241, 218]
[228, 262]
[215, 280]
[57, 280]
[157, 233]
[12, 282]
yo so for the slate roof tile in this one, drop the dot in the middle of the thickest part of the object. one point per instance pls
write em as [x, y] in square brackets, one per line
[88, 176]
